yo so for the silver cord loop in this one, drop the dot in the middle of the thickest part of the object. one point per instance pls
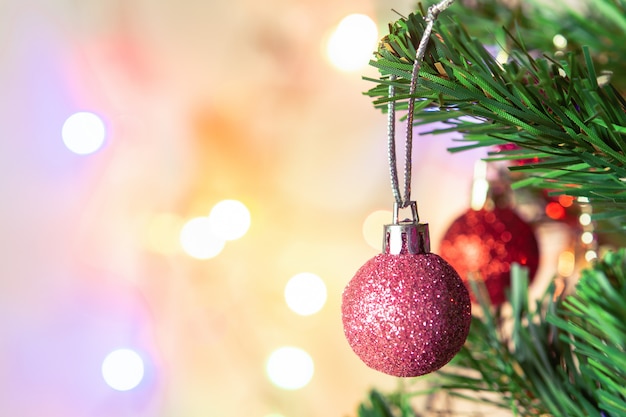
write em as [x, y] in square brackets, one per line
[391, 142]
[400, 202]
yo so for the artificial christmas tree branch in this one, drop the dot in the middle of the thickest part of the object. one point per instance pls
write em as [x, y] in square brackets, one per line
[555, 110]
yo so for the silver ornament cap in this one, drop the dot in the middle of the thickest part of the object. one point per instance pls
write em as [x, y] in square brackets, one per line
[406, 237]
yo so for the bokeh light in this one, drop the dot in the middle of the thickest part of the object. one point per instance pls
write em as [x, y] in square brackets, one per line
[198, 239]
[229, 219]
[305, 293]
[123, 369]
[586, 237]
[559, 41]
[585, 219]
[480, 186]
[351, 45]
[568, 200]
[555, 210]
[83, 133]
[290, 368]
[373, 227]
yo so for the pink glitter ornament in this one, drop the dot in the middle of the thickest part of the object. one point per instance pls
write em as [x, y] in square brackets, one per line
[406, 312]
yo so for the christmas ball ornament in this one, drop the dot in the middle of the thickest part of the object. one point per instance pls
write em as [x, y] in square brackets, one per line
[484, 243]
[406, 312]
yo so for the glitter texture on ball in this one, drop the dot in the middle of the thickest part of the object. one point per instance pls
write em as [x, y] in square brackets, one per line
[406, 315]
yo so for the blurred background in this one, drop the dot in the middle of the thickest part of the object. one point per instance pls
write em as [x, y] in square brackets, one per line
[188, 186]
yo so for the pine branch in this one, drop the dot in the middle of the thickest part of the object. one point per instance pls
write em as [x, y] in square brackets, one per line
[593, 324]
[554, 110]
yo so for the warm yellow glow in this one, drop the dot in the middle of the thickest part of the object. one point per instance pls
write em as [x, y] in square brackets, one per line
[83, 133]
[587, 238]
[122, 369]
[290, 368]
[480, 186]
[373, 227]
[162, 232]
[230, 219]
[566, 264]
[305, 293]
[353, 42]
[198, 239]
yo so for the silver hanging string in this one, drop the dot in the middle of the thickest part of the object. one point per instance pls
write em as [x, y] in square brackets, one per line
[402, 202]
[391, 143]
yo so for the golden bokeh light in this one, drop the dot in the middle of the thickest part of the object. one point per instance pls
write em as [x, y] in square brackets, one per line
[198, 240]
[350, 46]
[305, 293]
[290, 368]
[229, 219]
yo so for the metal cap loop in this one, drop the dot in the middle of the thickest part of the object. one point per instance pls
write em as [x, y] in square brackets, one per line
[396, 213]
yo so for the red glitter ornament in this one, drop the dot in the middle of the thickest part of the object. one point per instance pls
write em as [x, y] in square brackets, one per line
[406, 312]
[484, 243]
